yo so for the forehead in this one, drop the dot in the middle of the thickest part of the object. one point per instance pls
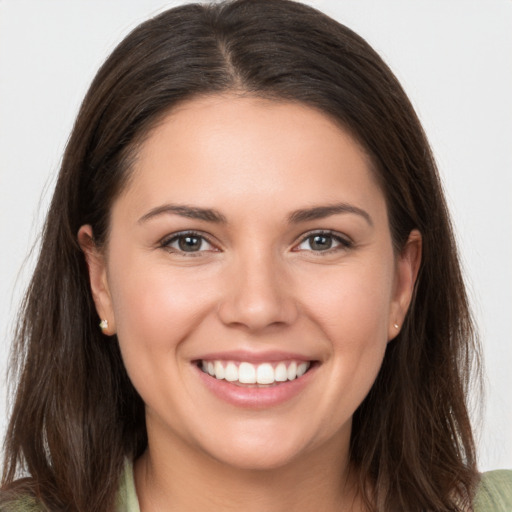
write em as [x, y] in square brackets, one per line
[250, 152]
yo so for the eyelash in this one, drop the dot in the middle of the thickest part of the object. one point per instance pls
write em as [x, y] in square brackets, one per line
[175, 237]
[343, 242]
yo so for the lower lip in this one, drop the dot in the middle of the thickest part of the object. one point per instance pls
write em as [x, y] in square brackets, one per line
[256, 397]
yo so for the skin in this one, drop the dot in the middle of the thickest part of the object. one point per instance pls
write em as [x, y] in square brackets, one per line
[258, 285]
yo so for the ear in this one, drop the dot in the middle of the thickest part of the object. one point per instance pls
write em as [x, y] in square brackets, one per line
[96, 265]
[407, 267]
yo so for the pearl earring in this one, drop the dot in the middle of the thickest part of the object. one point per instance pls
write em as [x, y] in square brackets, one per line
[103, 325]
[396, 326]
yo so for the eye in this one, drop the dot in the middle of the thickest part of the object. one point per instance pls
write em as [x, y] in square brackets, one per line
[187, 242]
[324, 241]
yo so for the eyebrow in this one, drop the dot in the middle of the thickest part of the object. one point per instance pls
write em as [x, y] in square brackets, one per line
[190, 212]
[211, 215]
[321, 212]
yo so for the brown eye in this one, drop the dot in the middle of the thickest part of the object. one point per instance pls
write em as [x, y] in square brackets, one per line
[187, 242]
[323, 242]
[190, 243]
[320, 242]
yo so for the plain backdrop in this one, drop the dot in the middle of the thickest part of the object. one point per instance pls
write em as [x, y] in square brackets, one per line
[454, 58]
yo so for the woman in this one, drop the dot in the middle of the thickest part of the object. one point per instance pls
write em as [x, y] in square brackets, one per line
[249, 210]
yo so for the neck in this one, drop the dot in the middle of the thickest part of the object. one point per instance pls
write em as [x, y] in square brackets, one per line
[188, 479]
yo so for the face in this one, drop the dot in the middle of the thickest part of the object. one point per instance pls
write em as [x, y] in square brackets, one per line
[251, 280]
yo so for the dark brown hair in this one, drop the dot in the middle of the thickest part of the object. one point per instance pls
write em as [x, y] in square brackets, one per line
[76, 415]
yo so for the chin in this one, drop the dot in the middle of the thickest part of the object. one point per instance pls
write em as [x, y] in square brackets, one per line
[259, 451]
[257, 459]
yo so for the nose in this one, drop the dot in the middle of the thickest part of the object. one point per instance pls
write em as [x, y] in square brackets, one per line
[258, 294]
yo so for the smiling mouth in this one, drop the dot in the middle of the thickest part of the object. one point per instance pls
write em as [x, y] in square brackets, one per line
[243, 373]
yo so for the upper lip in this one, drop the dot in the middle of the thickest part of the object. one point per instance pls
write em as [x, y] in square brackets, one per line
[253, 357]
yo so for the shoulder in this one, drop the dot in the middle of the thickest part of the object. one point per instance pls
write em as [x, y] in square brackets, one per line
[18, 496]
[20, 504]
[494, 492]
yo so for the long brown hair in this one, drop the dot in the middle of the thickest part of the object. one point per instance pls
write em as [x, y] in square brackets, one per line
[76, 415]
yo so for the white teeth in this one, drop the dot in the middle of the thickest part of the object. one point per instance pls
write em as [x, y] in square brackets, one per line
[265, 374]
[292, 371]
[219, 370]
[231, 372]
[280, 373]
[248, 373]
[301, 369]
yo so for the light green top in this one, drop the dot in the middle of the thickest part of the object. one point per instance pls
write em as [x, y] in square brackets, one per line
[127, 498]
[494, 493]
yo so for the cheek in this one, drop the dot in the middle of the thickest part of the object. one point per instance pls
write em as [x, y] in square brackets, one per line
[354, 319]
[353, 304]
[352, 309]
[155, 307]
